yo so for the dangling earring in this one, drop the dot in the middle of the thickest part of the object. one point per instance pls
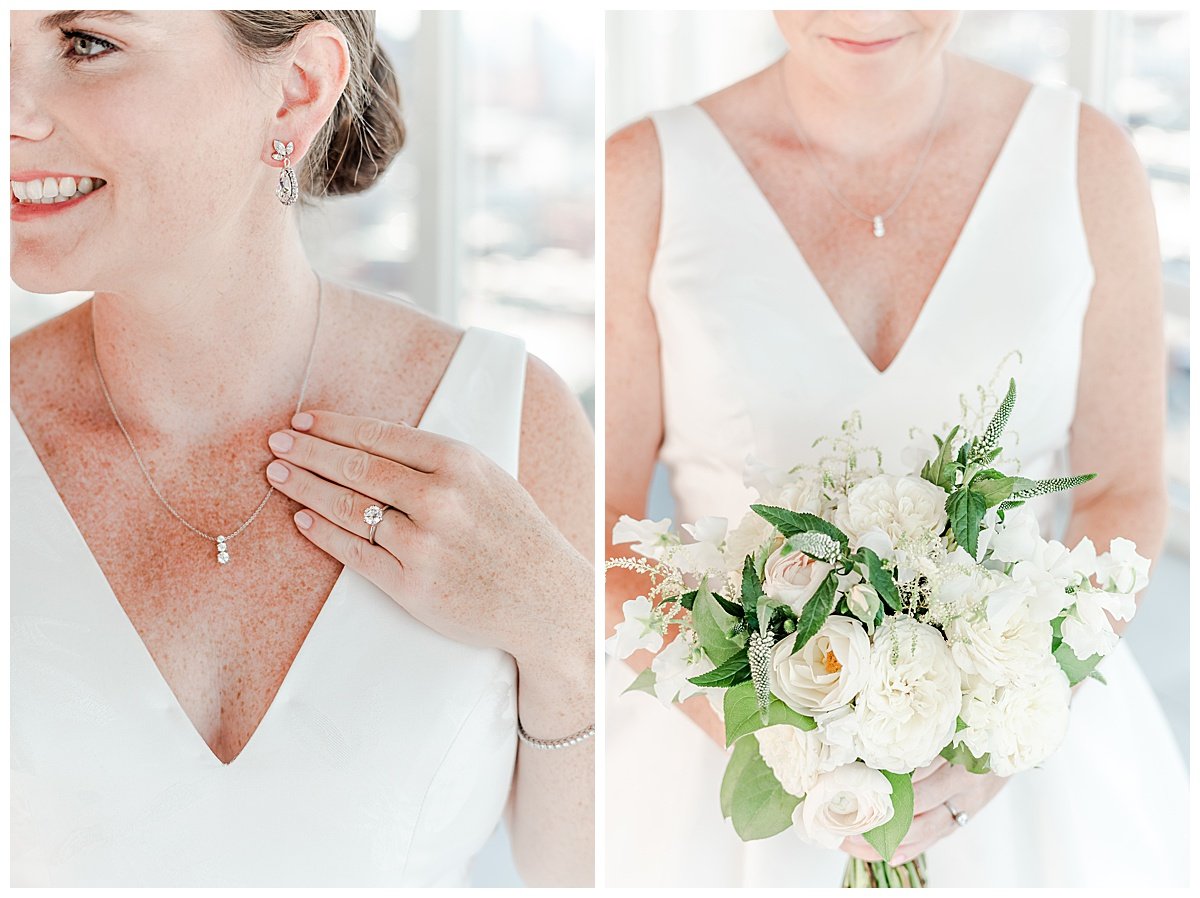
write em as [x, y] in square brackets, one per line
[289, 189]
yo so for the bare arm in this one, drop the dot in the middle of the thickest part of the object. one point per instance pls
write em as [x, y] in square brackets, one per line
[552, 805]
[634, 420]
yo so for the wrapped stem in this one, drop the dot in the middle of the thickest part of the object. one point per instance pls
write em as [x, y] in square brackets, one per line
[882, 875]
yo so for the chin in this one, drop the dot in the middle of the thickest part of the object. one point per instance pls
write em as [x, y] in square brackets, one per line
[32, 277]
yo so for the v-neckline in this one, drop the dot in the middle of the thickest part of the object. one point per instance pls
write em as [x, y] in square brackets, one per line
[826, 303]
[435, 399]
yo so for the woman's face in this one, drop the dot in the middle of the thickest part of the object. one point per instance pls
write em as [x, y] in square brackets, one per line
[866, 54]
[162, 109]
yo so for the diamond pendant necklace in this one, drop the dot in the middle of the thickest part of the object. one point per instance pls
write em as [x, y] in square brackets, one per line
[222, 541]
[876, 220]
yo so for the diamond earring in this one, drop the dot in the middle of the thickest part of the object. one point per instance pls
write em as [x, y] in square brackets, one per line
[289, 188]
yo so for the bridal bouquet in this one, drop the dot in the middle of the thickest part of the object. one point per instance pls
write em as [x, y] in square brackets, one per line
[856, 624]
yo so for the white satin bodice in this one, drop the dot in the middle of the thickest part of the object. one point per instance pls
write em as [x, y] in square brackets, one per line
[385, 759]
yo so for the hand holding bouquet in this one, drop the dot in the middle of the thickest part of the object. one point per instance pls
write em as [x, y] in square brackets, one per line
[856, 624]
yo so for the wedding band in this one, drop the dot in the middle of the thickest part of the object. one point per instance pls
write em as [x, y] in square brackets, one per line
[372, 516]
[960, 817]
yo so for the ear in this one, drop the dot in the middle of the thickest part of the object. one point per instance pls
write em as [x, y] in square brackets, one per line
[312, 79]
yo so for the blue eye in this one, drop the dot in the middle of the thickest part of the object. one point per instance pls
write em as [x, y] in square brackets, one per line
[78, 46]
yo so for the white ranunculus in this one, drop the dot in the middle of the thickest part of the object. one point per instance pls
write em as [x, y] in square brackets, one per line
[902, 507]
[846, 801]
[672, 667]
[650, 538]
[1122, 569]
[997, 656]
[1019, 725]
[641, 629]
[793, 577]
[907, 709]
[704, 554]
[1017, 537]
[828, 672]
[796, 756]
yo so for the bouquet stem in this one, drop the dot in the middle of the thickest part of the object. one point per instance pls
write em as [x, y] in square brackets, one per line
[882, 875]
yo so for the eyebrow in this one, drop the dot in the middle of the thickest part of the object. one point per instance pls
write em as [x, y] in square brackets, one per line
[63, 17]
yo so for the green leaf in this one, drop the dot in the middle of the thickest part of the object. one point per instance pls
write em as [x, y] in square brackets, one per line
[1099, 677]
[688, 599]
[959, 754]
[993, 486]
[751, 592]
[732, 608]
[789, 523]
[643, 682]
[1053, 485]
[714, 626]
[816, 611]
[752, 797]
[959, 725]
[742, 717]
[1076, 670]
[887, 837]
[881, 578]
[943, 470]
[735, 670]
[966, 509]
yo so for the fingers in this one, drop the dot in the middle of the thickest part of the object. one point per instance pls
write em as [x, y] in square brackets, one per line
[926, 830]
[938, 763]
[375, 563]
[937, 787]
[338, 504]
[858, 847]
[398, 442]
[377, 478]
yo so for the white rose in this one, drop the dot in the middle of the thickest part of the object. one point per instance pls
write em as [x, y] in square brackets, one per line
[796, 756]
[899, 506]
[846, 801]
[908, 707]
[1122, 569]
[997, 656]
[672, 667]
[641, 629]
[1021, 724]
[828, 672]
[793, 577]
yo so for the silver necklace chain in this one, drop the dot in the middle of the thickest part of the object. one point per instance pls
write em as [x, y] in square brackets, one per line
[876, 220]
[219, 540]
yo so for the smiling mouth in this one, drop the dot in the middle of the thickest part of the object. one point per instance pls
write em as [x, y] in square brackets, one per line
[49, 191]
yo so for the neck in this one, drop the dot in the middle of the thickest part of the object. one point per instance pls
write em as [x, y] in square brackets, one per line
[837, 122]
[213, 343]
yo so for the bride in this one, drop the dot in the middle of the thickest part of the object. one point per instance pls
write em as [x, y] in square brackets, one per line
[350, 682]
[875, 223]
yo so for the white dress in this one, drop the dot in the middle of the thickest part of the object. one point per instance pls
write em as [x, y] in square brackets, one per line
[755, 359]
[385, 759]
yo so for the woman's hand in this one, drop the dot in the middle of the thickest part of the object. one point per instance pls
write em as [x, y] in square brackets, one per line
[933, 786]
[466, 550]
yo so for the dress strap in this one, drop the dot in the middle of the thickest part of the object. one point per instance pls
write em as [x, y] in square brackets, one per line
[481, 394]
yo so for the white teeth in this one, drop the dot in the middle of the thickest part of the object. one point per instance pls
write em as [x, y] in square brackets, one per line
[54, 190]
[18, 189]
[85, 185]
[35, 190]
[49, 188]
[66, 186]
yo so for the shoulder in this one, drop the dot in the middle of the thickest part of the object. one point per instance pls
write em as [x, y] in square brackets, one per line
[1110, 170]
[633, 176]
[44, 362]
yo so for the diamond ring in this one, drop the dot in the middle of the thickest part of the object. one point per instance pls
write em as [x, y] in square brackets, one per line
[960, 817]
[372, 515]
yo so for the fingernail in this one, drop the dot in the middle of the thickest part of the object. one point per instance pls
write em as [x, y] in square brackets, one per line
[277, 471]
[303, 520]
[280, 442]
[302, 420]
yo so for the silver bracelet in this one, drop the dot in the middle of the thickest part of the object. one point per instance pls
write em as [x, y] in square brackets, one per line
[566, 742]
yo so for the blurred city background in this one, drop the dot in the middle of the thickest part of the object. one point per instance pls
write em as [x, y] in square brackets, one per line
[1132, 65]
[487, 216]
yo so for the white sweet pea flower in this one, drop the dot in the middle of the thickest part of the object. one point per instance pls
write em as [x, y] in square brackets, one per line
[650, 538]
[1018, 537]
[764, 479]
[846, 801]
[796, 757]
[922, 448]
[641, 629]
[705, 554]
[1048, 571]
[878, 542]
[1087, 628]
[839, 730]
[672, 667]
[1121, 569]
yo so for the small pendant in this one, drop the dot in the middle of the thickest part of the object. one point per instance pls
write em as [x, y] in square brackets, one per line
[877, 222]
[222, 551]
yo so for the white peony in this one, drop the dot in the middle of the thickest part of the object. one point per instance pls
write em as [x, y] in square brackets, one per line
[672, 667]
[1122, 569]
[828, 672]
[641, 629]
[802, 494]
[907, 710]
[1018, 725]
[650, 538]
[997, 655]
[846, 801]
[902, 507]
[751, 533]
[796, 756]
[792, 576]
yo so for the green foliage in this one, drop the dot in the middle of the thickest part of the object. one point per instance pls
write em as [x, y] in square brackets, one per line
[752, 797]
[991, 436]
[1053, 485]
[742, 715]
[887, 837]
[733, 671]
[1076, 670]
[789, 523]
[643, 682]
[993, 486]
[880, 578]
[751, 592]
[714, 627]
[959, 754]
[943, 470]
[816, 611]
[688, 599]
[966, 509]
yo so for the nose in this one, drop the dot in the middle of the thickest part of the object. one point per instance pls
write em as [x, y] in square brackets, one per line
[27, 118]
[866, 21]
